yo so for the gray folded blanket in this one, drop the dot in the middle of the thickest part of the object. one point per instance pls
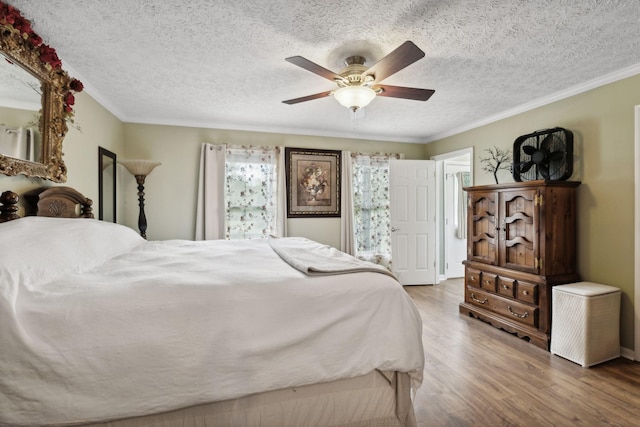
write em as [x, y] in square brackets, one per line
[313, 258]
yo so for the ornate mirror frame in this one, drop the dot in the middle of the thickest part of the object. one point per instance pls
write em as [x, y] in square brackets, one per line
[20, 45]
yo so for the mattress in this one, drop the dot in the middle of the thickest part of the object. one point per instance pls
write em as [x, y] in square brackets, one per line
[377, 399]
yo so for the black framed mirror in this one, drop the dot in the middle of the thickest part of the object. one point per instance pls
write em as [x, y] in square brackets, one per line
[35, 149]
[107, 183]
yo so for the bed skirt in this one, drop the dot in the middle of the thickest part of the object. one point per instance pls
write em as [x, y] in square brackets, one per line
[378, 399]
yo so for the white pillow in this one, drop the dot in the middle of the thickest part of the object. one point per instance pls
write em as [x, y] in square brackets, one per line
[38, 249]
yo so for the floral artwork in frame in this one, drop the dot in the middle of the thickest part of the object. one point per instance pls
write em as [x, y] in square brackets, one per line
[313, 182]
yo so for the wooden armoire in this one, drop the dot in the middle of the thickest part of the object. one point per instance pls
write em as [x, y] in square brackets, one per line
[521, 240]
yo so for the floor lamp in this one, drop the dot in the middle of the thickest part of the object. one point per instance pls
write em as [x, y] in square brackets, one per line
[140, 169]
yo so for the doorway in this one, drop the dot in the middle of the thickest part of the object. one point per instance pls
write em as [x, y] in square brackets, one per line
[454, 217]
[451, 250]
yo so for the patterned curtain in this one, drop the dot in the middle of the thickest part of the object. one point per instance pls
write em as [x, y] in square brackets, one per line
[371, 203]
[251, 192]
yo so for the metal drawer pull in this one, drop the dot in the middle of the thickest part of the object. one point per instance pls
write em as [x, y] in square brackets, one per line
[505, 287]
[525, 293]
[473, 297]
[522, 316]
[487, 282]
[472, 278]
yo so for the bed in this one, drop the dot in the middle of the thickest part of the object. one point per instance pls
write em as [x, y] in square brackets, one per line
[101, 327]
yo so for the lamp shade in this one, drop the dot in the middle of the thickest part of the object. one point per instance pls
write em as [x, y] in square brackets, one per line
[139, 167]
[354, 97]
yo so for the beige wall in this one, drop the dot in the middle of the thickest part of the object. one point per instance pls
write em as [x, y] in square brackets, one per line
[17, 117]
[170, 190]
[602, 121]
[80, 147]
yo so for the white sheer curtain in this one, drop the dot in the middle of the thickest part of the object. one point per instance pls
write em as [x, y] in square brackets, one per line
[241, 193]
[210, 205]
[366, 222]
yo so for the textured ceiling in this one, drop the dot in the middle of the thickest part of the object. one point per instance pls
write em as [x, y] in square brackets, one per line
[220, 64]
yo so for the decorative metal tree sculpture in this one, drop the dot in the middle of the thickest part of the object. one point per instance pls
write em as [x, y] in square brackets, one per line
[498, 159]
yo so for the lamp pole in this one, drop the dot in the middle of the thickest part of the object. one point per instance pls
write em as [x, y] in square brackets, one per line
[140, 169]
[142, 218]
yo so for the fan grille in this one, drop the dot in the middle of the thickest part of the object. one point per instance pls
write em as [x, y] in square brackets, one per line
[546, 155]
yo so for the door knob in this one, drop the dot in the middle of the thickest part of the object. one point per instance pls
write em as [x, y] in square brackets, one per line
[395, 229]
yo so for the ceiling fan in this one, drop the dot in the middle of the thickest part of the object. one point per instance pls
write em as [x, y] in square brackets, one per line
[359, 85]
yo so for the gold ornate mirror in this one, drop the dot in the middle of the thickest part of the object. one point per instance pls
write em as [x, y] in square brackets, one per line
[32, 148]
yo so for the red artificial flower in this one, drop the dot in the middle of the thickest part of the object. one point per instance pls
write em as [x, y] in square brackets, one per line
[69, 99]
[76, 85]
[19, 23]
[7, 14]
[35, 39]
[49, 55]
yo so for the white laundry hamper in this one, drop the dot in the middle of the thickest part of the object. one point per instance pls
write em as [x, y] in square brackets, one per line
[585, 322]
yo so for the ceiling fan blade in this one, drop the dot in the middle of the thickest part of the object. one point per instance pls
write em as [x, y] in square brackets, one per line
[403, 56]
[308, 97]
[314, 68]
[405, 92]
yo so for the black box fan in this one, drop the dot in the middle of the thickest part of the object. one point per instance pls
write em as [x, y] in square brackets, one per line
[546, 154]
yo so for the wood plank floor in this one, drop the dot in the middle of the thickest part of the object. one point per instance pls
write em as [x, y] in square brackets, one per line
[477, 375]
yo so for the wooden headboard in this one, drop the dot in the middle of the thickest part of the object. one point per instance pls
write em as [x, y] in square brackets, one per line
[8, 206]
[61, 202]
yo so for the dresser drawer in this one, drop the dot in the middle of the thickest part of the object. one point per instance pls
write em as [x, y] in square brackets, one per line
[527, 292]
[506, 287]
[472, 277]
[508, 308]
[488, 281]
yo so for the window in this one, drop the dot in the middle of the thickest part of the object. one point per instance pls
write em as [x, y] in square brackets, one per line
[251, 183]
[371, 207]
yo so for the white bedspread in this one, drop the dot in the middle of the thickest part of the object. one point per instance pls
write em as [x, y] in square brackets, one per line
[178, 323]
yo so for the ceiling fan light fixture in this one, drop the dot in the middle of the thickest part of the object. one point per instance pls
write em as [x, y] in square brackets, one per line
[354, 97]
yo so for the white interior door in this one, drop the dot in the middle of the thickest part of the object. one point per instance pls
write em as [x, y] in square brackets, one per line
[455, 250]
[412, 191]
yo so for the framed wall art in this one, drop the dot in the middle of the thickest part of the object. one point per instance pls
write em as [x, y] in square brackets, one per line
[313, 182]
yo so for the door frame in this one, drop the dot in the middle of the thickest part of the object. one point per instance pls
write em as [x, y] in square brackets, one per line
[636, 275]
[440, 160]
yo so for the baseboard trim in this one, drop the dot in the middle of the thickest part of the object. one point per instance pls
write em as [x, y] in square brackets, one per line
[627, 353]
